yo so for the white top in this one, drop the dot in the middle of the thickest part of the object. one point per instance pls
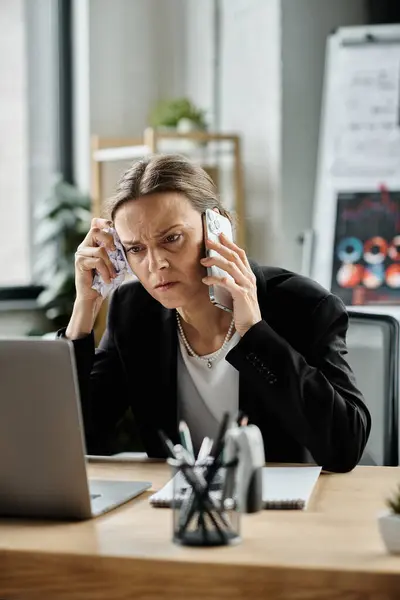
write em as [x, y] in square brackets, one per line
[205, 394]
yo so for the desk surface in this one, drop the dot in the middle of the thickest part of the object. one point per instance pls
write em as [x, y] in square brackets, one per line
[333, 550]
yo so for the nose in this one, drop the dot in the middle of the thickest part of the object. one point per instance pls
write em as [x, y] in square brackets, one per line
[157, 261]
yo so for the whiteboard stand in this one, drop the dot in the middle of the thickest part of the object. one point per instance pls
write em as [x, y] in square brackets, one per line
[306, 240]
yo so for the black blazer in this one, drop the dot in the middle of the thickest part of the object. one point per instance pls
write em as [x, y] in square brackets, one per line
[294, 383]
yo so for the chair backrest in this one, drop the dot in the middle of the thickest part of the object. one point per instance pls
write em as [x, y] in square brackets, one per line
[373, 345]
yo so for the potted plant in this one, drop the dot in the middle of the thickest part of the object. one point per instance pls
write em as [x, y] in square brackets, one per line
[181, 115]
[63, 221]
[170, 114]
[389, 523]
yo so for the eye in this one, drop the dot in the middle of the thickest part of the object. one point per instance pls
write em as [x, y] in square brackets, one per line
[174, 237]
[134, 250]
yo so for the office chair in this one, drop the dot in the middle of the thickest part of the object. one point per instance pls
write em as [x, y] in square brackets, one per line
[373, 345]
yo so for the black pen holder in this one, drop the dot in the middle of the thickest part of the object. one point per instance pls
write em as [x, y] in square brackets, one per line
[203, 507]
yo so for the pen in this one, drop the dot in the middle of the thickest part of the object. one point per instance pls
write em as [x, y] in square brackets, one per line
[205, 449]
[182, 454]
[242, 419]
[186, 438]
[167, 443]
[239, 416]
[217, 448]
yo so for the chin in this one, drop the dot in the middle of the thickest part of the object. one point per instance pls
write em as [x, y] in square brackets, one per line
[173, 301]
[170, 300]
[171, 305]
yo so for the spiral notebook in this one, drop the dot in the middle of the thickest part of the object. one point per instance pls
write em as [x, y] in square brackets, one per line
[283, 488]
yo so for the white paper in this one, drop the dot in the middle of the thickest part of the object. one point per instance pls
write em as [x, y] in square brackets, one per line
[289, 483]
[280, 484]
[366, 123]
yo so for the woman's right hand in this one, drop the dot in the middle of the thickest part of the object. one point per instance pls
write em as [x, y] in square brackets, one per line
[92, 256]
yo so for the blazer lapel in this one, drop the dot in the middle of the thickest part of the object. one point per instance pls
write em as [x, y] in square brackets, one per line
[167, 385]
[155, 367]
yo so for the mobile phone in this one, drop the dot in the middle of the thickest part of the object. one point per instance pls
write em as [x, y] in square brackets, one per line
[214, 224]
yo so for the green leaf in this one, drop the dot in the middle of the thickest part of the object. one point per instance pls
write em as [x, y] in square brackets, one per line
[57, 288]
[168, 113]
[46, 267]
[394, 502]
[47, 231]
[63, 220]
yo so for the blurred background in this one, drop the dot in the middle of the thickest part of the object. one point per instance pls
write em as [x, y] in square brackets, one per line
[87, 86]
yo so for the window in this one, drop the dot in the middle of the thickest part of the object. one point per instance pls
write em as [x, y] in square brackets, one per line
[28, 127]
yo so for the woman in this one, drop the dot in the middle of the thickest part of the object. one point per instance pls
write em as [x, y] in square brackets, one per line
[279, 358]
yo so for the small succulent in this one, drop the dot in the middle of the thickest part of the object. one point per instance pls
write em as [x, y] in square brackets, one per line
[394, 502]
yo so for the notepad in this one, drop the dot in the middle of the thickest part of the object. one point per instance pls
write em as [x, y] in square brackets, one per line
[283, 488]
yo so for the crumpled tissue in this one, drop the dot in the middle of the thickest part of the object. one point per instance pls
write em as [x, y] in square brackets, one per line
[121, 266]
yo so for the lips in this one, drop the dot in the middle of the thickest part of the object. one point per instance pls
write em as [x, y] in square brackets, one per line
[165, 285]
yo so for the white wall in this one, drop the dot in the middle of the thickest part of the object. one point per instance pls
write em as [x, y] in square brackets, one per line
[251, 106]
[305, 27]
[199, 53]
[124, 71]
[123, 65]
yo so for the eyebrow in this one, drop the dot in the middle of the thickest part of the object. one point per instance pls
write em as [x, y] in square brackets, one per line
[158, 235]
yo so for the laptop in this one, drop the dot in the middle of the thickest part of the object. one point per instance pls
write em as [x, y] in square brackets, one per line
[42, 452]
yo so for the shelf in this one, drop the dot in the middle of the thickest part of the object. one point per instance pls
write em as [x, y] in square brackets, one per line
[212, 158]
[121, 153]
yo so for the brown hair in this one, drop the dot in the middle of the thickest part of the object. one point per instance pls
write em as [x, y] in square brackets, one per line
[166, 173]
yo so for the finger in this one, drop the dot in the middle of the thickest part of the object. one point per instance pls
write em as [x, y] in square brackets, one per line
[224, 282]
[99, 223]
[98, 237]
[97, 253]
[102, 238]
[228, 266]
[90, 263]
[95, 239]
[232, 246]
[229, 254]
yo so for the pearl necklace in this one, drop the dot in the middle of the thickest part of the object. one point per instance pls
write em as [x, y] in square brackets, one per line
[190, 350]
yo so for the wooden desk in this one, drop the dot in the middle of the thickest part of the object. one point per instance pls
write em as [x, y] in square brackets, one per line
[331, 551]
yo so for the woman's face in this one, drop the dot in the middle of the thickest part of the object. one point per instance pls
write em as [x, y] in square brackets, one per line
[163, 239]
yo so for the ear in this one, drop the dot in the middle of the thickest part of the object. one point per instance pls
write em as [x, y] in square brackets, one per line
[217, 210]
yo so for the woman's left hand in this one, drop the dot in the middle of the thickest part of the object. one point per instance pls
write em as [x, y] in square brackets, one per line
[243, 286]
